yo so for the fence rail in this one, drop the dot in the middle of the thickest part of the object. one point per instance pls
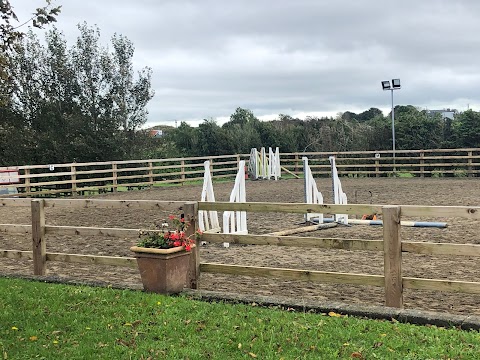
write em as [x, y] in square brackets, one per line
[421, 163]
[78, 178]
[392, 246]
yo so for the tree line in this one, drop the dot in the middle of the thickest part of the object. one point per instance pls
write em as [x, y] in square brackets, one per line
[369, 130]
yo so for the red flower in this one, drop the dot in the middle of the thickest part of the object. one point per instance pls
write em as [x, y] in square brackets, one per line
[171, 238]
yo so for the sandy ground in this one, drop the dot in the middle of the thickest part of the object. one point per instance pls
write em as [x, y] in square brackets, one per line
[451, 191]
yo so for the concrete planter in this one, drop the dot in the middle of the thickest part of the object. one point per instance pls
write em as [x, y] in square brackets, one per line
[163, 271]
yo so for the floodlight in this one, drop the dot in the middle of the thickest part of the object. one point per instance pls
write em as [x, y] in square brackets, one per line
[395, 85]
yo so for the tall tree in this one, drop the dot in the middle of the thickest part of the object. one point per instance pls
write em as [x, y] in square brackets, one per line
[417, 130]
[212, 139]
[468, 129]
[10, 33]
[82, 102]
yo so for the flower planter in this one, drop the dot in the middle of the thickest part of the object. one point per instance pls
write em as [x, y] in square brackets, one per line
[163, 271]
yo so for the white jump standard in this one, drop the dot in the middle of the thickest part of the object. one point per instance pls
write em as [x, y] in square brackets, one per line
[208, 220]
[262, 166]
[340, 198]
[234, 222]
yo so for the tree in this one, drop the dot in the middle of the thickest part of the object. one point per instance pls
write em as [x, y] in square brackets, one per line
[185, 139]
[82, 102]
[369, 114]
[244, 131]
[417, 130]
[348, 115]
[468, 129]
[240, 117]
[380, 133]
[449, 136]
[212, 139]
[9, 33]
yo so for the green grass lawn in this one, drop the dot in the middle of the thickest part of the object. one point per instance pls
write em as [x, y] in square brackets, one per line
[51, 321]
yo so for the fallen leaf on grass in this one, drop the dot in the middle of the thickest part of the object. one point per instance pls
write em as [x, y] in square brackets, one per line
[356, 355]
[130, 343]
[252, 355]
[136, 322]
[334, 314]
[33, 338]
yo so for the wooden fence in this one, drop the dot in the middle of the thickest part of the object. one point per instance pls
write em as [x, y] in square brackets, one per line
[78, 178]
[392, 246]
[419, 163]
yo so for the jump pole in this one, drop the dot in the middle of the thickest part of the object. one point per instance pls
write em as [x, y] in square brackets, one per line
[429, 224]
[304, 229]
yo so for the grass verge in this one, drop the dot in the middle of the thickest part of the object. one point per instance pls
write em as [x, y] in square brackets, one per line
[51, 321]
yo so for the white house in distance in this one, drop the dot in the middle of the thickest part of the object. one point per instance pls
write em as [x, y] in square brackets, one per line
[445, 113]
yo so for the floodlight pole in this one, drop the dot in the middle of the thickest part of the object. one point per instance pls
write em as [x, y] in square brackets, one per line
[394, 85]
[393, 135]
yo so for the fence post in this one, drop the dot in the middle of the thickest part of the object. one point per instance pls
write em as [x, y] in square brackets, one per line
[38, 238]
[150, 173]
[295, 170]
[182, 170]
[190, 210]
[377, 168]
[114, 177]
[211, 167]
[422, 163]
[27, 181]
[470, 154]
[392, 251]
[73, 170]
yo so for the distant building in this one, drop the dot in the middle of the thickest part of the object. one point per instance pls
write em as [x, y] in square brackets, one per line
[156, 133]
[445, 113]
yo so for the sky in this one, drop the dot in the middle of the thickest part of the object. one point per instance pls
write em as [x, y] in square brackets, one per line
[300, 58]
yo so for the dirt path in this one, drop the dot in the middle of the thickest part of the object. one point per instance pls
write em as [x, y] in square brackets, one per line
[430, 191]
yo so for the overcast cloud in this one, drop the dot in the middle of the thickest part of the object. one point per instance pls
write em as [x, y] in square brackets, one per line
[302, 57]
